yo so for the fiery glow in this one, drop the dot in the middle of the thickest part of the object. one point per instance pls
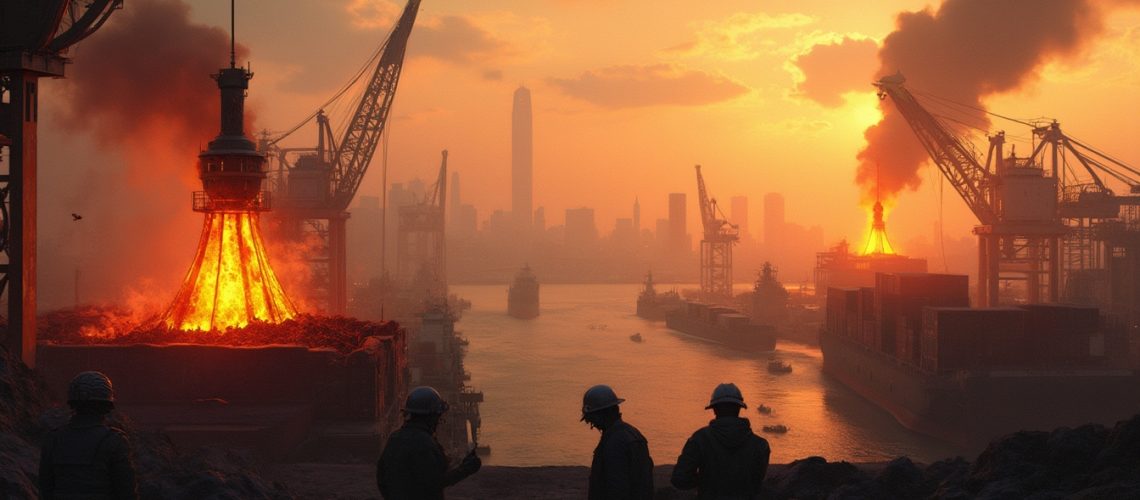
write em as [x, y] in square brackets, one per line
[877, 243]
[230, 282]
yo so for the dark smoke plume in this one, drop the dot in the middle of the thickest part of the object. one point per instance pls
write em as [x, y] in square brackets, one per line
[965, 51]
[141, 89]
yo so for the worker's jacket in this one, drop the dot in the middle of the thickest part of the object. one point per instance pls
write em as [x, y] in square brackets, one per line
[414, 467]
[723, 461]
[87, 460]
[622, 468]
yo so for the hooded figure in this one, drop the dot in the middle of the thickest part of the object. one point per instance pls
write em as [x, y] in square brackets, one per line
[724, 460]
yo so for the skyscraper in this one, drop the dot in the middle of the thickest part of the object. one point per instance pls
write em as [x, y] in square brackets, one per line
[522, 160]
[454, 202]
[678, 232]
[636, 216]
[773, 219]
[739, 214]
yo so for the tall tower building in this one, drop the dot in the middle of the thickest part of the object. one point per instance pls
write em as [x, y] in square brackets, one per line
[522, 160]
[773, 218]
[455, 201]
[636, 216]
[739, 213]
[678, 232]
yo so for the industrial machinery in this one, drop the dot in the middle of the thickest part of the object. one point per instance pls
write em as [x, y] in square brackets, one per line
[34, 40]
[716, 246]
[420, 255]
[313, 187]
[1048, 220]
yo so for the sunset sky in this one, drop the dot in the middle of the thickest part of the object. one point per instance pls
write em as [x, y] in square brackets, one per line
[629, 95]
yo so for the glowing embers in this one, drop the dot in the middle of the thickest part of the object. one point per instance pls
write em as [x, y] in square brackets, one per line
[877, 243]
[230, 283]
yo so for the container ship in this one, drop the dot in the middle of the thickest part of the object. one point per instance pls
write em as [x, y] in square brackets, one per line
[522, 295]
[967, 375]
[723, 325]
[656, 306]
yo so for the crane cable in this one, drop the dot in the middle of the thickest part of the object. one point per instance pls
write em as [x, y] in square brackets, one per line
[352, 82]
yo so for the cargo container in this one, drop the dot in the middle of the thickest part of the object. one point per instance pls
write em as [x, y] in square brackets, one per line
[956, 338]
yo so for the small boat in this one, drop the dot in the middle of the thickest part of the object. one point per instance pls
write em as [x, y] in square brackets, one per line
[775, 429]
[635, 337]
[764, 410]
[779, 367]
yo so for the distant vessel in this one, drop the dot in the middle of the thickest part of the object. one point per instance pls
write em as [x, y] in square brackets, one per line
[775, 429]
[656, 306]
[635, 337]
[779, 367]
[769, 298]
[764, 409]
[722, 324]
[522, 296]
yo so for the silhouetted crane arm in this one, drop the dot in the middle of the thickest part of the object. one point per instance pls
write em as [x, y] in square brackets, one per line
[957, 163]
[366, 126]
[708, 215]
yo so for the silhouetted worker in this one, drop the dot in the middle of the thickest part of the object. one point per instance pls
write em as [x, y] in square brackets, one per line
[413, 465]
[725, 459]
[87, 458]
[622, 468]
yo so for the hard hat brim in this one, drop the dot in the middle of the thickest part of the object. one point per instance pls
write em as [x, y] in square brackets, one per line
[615, 402]
[734, 401]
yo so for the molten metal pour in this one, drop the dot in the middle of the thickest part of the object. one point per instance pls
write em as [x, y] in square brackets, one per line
[877, 243]
[230, 283]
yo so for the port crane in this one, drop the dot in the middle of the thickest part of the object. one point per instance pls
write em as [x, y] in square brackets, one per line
[420, 241]
[1050, 220]
[314, 186]
[716, 246]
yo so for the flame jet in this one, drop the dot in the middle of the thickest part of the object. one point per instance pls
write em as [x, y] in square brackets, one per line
[230, 283]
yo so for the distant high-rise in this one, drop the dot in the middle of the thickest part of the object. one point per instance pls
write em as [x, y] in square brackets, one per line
[773, 218]
[539, 220]
[636, 216]
[678, 231]
[453, 190]
[739, 214]
[522, 160]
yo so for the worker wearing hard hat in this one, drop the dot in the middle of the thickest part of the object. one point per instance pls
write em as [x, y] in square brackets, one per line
[88, 458]
[413, 465]
[725, 459]
[622, 468]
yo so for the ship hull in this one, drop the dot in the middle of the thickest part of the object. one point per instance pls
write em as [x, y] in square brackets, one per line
[755, 338]
[522, 309]
[970, 408]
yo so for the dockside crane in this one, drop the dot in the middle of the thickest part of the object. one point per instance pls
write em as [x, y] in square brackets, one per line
[716, 246]
[420, 241]
[1049, 219]
[313, 187]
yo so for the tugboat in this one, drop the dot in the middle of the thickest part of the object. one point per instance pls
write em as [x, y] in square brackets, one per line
[779, 367]
[769, 298]
[775, 429]
[764, 409]
[522, 296]
[636, 337]
[656, 306]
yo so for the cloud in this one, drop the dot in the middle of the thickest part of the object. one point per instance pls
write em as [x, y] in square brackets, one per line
[827, 71]
[649, 85]
[372, 14]
[456, 39]
[737, 37]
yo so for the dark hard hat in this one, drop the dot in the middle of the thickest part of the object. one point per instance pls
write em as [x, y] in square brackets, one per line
[599, 397]
[424, 400]
[726, 393]
[90, 386]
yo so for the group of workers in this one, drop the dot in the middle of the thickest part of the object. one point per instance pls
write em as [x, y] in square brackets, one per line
[724, 460]
[90, 458]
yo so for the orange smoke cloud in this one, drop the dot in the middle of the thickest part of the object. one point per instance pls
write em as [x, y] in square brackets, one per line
[965, 51]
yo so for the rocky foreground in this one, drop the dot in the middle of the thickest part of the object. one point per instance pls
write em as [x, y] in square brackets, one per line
[1091, 461]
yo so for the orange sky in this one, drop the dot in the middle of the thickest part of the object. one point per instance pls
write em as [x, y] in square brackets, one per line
[630, 94]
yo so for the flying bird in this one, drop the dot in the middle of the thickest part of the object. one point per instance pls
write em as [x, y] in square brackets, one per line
[75, 216]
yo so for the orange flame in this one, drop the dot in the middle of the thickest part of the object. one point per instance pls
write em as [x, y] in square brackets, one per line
[231, 282]
[877, 243]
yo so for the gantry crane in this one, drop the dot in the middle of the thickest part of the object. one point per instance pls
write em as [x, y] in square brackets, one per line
[420, 256]
[34, 39]
[313, 187]
[1048, 219]
[716, 246]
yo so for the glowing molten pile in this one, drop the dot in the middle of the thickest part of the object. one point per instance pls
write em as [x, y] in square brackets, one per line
[877, 243]
[231, 282]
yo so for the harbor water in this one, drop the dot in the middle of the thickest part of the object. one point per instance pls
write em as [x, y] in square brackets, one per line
[533, 373]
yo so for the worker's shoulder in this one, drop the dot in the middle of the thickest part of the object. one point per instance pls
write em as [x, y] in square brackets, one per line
[411, 436]
[627, 432]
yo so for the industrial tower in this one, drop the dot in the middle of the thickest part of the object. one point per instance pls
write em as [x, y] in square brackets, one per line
[1048, 220]
[420, 240]
[716, 247]
[34, 39]
[313, 187]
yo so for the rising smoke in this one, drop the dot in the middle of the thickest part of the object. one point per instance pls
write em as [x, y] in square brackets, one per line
[140, 90]
[964, 51]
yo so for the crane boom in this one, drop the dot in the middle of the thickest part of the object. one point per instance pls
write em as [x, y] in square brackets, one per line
[366, 126]
[973, 181]
[708, 214]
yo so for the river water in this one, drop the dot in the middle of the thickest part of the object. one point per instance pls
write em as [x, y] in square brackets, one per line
[533, 374]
